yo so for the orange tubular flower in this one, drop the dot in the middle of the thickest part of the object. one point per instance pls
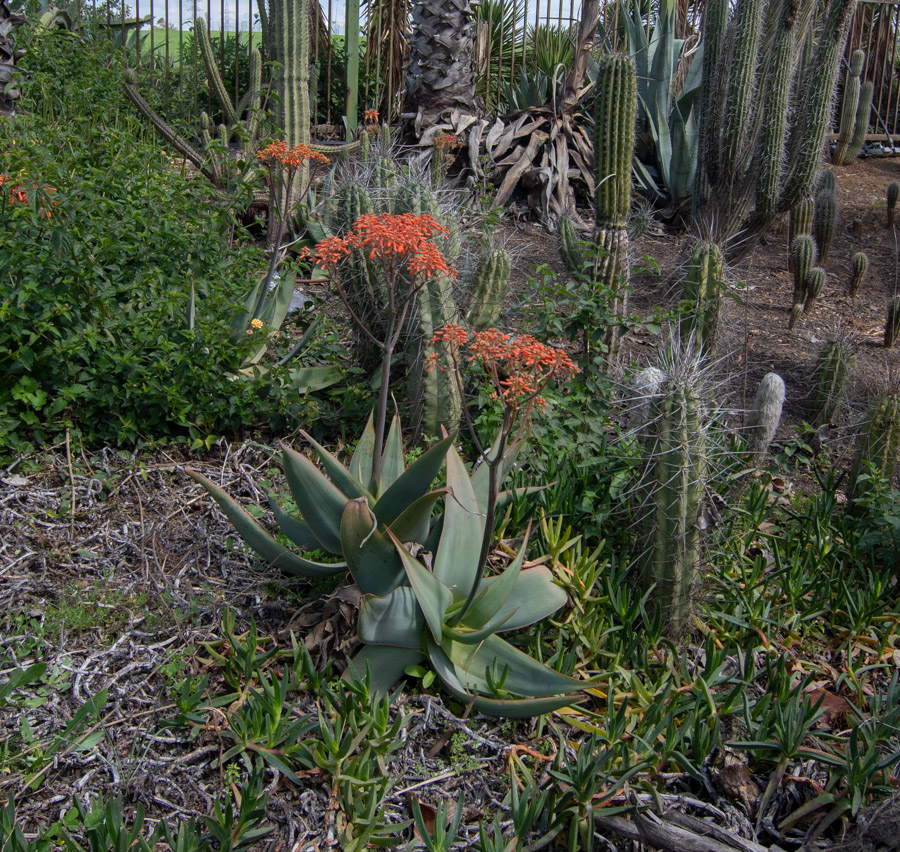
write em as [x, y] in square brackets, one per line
[370, 116]
[290, 157]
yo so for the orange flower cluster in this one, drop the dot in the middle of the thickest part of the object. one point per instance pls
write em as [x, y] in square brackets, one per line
[519, 367]
[291, 158]
[394, 240]
[370, 116]
[447, 141]
[19, 195]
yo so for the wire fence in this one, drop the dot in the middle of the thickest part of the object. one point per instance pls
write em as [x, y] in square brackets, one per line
[518, 43]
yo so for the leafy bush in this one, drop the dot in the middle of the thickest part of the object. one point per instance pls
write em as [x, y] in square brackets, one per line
[93, 328]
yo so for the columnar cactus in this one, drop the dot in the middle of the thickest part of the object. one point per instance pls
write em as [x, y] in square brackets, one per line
[569, 250]
[859, 263]
[702, 296]
[675, 482]
[815, 284]
[892, 323]
[835, 368]
[825, 217]
[878, 444]
[849, 108]
[765, 414]
[893, 193]
[800, 223]
[488, 290]
[861, 125]
[803, 255]
[616, 104]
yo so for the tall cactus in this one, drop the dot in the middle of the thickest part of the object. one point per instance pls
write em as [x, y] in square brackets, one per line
[702, 296]
[859, 263]
[835, 367]
[675, 482]
[765, 414]
[825, 215]
[616, 104]
[849, 108]
[861, 125]
[893, 193]
[892, 323]
[488, 290]
[878, 444]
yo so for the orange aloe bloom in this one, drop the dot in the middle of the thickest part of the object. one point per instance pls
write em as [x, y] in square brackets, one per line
[370, 116]
[291, 157]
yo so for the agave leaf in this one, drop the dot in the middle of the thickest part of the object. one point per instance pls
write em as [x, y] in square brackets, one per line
[260, 541]
[414, 523]
[534, 597]
[361, 462]
[320, 502]
[489, 602]
[684, 154]
[275, 309]
[370, 554]
[385, 663]
[433, 596]
[392, 463]
[469, 637]
[456, 561]
[524, 675]
[311, 379]
[346, 483]
[412, 484]
[296, 529]
[395, 619]
[512, 708]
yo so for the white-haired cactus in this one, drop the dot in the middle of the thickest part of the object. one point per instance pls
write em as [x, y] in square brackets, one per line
[702, 296]
[488, 290]
[893, 193]
[835, 368]
[614, 116]
[815, 284]
[859, 263]
[765, 414]
[644, 386]
[849, 108]
[878, 444]
[892, 323]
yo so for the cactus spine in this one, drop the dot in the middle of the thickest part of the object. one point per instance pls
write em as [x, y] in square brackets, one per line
[765, 414]
[849, 108]
[859, 263]
[676, 480]
[878, 443]
[825, 217]
[569, 250]
[835, 367]
[702, 295]
[488, 290]
[892, 324]
[815, 283]
[616, 104]
[893, 193]
[800, 223]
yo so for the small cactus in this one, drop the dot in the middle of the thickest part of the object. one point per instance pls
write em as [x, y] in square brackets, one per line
[815, 283]
[702, 295]
[893, 193]
[796, 313]
[892, 324]
[765, 414]
[825, 217]
[878, 444]
[849, 108]
[800, 223]
[488, 290]
[861, 125]
[569, 250]
[859, 264]
[834, 371]
[803, 254]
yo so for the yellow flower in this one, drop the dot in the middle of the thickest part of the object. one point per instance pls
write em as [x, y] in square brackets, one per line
[256, 323]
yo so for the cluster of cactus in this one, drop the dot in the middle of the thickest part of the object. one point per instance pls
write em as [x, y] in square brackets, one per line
[892, 323]
[674, 436]
[614, 117]
[879, 443]
[859, 263]
[702, 296]
[855, 111]
[825, 215]
[765, 414]
[764, 115]
[893, 193]
[835, 368]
